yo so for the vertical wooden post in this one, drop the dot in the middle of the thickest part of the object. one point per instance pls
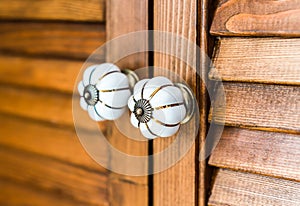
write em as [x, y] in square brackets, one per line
[206, 43]
[176, 185]
[124, 17]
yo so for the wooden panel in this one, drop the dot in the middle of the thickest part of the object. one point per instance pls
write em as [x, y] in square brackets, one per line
[51, 39]
[125, 189]
[268, 153]
[267, 60]
[236, 188]
[51, 74]
[259, 106]
[247, 17]
[14, 194]
[62, 144]
[75, 10]
[79, 185]
[176, 185]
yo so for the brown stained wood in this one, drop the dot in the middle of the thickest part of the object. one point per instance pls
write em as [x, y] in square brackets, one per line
[205, 11]
[176, 185]
[46, 174]
[129, 193]
[267, 153]
[259, 106]
[257, 18]
[50, 107]
[59, 75]
[75, 10]
[61, 144]
[236, 188]
[51, 39]
[266, 60]
[122, 18]
[40, 105]
[14, 194]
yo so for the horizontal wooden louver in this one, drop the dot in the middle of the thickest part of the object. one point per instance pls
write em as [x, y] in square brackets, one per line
[27, 168]
[38, 138]
[265, 60]
[43, 46]
[259, 148]
[66, 10]
[267, 153]
[237, 188]
[51, 39]
[259, 106]
[257, 18]
[61, 74]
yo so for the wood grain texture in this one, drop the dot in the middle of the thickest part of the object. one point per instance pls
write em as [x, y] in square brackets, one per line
[265, 60]
[259, 106]
[46, 174]
[122, 23]
[56, 143]
[14, 194]
[236, 188]
[267, 153]
[176, 185]
[205, 12]
[48, 74]
[51, 39]
[75, 10]
[39, 105]
[122, 18]
[257, 18]
[49, 107]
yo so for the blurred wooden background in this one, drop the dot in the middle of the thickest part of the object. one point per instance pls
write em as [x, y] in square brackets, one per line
[42, 47]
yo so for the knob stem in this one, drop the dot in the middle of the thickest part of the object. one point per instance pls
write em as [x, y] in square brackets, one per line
[189, 101]
[132, 77]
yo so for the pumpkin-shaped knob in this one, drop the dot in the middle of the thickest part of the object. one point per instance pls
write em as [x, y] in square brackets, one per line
[158, 107]
[104, 92]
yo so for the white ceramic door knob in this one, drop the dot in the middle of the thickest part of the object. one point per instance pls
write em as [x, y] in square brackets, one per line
[159, 107]
[104, 92]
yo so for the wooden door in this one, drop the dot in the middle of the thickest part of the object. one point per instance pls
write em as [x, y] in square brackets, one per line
[254, 48]
[43, 46]
[185, 182]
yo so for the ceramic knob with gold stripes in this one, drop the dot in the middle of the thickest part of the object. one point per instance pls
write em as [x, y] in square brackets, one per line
[104, 92]
[159, 106]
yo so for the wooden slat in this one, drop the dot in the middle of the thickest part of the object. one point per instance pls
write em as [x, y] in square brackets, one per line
[256, 18]
[266, 60]
[51, 39]
[176, 185]
[79, 185]
[123, 18]
[50, 107]
[205, 12]
[47, 74]
[268, 153]
[75, 10]
[14, 194]
[236, 188]
[40, 105]
[61, 144]
[259, 106]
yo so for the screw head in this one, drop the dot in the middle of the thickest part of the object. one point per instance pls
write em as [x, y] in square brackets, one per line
[91, 95]
[139, 111]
